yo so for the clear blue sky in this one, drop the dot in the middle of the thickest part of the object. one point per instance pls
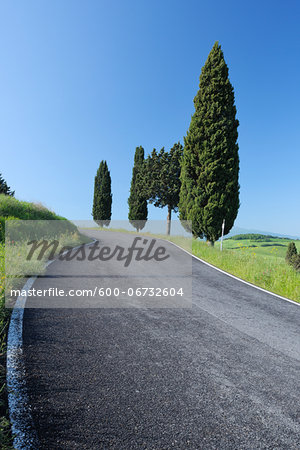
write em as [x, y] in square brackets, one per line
[82, 81]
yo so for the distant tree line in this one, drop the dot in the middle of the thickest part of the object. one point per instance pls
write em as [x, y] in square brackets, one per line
[200, 180]
[254, 237]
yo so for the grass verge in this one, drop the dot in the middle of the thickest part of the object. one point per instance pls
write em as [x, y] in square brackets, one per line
[12, 209]
[5, 431]
[269, 272]
[261, 262]
[17, 281]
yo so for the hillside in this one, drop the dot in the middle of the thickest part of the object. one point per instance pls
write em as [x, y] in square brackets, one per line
[266, 245]
[13, 209]
[238, 230]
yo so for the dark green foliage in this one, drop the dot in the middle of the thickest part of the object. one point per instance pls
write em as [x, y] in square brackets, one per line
[102, 196]
[137, 202]
[291, 253]
[210, 169]
[292, 256]
[296, 262]
[162, 179]
[4, 189]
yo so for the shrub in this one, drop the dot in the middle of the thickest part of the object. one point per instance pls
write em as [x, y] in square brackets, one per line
[296, 262]
[291, 253]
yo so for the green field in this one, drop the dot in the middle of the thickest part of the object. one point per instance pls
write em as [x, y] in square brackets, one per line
[269, 246]
[259, 260]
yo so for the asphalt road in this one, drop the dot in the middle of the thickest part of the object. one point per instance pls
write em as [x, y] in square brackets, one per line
[220, 373]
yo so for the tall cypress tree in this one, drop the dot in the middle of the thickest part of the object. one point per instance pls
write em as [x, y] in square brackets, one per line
[4, 188]
[137, 202]
[210, 169]
[102, 196]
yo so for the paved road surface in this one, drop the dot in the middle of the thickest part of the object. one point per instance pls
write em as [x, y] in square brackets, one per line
[222, 374]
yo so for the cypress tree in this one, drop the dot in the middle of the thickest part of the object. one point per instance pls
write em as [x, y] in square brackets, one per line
[291, 253]
[102, 196]
[137, 202]
[163, 179]
[210, 168]
[4, 188]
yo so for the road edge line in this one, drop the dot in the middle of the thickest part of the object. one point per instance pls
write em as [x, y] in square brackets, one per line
[19, 408]
[22, 424]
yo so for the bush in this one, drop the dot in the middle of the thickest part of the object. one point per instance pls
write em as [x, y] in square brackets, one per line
[291, 253]
[296, 262]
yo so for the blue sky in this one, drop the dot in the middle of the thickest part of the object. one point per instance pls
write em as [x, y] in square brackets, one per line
[82, 81]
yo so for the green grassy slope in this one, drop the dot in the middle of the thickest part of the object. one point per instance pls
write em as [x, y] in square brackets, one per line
[11, 208]
[258, 261]
[270, 246]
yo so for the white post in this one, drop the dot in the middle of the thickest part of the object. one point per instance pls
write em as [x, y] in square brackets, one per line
[223, 227]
